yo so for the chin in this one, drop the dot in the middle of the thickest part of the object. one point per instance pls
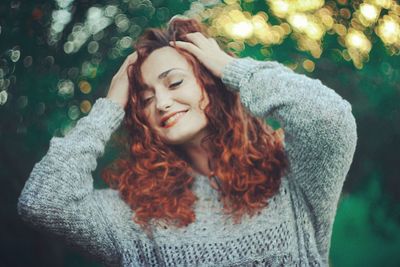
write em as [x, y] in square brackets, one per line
[176, 141]
[181, 139]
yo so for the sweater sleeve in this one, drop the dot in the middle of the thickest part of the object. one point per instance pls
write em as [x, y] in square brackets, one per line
[59, 197]
[319, 128]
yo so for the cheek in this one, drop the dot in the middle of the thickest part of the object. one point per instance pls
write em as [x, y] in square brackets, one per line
[150, 119]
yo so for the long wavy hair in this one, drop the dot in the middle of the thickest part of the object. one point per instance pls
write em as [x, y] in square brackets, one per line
[155, 179]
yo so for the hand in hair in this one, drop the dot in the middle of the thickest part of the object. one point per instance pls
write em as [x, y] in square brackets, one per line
[207, 51]
[118, 90]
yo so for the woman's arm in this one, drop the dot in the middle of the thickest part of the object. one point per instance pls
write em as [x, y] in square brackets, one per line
[58, 197]
[320, 130]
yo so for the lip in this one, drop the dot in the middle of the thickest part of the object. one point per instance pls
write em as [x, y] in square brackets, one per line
[169, 116]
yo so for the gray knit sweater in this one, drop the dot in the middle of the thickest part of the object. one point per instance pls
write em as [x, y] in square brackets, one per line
[294, 230]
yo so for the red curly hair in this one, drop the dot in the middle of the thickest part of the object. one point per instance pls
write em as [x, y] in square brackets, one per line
[154, 177]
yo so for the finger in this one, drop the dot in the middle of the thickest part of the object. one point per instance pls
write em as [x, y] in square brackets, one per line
[197, 38]
[189, 47]
[129, 60]
[212, 40]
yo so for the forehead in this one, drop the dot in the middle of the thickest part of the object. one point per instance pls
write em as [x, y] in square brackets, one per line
[161, 60]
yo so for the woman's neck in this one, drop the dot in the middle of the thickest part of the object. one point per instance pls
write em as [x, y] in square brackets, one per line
[200, 166]
[199, 157]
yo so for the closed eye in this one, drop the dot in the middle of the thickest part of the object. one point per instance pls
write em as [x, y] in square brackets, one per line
[147, 100]
[176, 84]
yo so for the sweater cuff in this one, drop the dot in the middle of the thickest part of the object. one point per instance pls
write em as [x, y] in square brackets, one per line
[107, 113]
[237, 69]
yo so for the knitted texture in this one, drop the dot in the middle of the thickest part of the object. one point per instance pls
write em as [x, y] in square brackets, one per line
[294, 230]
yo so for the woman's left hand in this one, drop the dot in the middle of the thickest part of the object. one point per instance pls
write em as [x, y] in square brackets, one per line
[207, 51]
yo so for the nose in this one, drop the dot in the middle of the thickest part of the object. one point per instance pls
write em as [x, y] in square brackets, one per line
[164, 102]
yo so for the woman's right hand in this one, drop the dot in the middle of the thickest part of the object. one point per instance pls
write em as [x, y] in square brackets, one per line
[119, 87]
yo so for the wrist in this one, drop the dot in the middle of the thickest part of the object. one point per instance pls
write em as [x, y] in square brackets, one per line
[224, 63]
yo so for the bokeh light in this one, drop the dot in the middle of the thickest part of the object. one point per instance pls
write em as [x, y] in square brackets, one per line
[307, 22]
[389, 30]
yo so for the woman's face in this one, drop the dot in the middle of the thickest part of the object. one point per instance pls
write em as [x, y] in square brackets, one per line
[172, 98]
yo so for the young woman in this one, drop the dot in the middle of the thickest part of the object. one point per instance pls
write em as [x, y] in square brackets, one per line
[204, 181]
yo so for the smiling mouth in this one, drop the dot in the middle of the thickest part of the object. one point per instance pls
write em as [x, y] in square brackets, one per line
[173, 120]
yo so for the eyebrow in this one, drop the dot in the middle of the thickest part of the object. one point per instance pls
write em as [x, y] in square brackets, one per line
[163, 75]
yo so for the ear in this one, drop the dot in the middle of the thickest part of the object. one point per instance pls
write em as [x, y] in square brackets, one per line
[205, 101]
